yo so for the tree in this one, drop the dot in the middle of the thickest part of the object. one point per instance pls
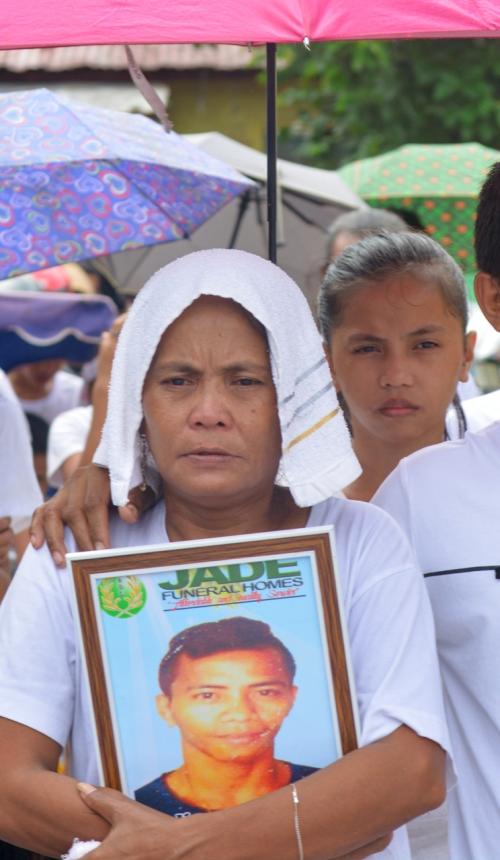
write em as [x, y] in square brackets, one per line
[352, 100]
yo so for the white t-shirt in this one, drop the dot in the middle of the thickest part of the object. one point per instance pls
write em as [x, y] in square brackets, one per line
[482, 411]
[466, 390]
[67, 436]
[428, 835]
[479, 411]
[387, 612]
[66, 393]
[20, 493]
[447, 500]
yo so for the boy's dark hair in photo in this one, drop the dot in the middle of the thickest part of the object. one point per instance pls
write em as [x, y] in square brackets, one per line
[213, 637]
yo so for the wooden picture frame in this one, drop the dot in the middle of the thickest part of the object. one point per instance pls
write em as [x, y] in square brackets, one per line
[130, 602]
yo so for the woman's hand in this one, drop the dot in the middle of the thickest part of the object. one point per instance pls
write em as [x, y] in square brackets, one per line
[82, 505]
[139, 833]
[136, 832]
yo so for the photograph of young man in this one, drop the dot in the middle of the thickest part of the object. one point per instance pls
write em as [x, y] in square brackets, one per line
[227, 686]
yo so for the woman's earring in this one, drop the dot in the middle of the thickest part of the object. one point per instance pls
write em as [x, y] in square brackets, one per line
[143, 442]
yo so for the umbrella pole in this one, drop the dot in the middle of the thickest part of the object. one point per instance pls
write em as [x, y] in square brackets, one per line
[242, 208]
[272, 153]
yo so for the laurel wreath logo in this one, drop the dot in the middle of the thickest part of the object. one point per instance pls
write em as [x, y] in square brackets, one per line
[122, 596]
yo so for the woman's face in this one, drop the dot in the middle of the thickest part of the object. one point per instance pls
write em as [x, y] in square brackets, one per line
[210, 406]
[397, 355]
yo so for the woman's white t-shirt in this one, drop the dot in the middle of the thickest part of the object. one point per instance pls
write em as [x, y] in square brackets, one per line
[387, 611]
[479, 412]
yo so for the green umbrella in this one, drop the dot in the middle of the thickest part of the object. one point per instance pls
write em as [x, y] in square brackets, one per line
[438, 182]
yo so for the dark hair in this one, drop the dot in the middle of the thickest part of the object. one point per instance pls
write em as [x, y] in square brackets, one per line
[487, 227]
[376, 258]
[106, 286]
[212, 637]
[362, 223]
[39, 430]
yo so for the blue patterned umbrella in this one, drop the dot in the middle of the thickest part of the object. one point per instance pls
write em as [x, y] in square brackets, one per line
[79, 182]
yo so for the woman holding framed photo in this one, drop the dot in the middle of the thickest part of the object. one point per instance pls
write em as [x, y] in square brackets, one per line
[220, 386]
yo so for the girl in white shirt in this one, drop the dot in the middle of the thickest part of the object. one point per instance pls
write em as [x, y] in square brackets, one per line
[393, 314]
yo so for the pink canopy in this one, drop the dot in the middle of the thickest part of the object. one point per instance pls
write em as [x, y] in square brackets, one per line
[28, 24]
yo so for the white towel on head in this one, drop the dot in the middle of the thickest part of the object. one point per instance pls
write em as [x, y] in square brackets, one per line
[317, 459]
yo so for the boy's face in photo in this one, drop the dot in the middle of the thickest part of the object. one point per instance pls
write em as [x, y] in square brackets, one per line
[229, 705]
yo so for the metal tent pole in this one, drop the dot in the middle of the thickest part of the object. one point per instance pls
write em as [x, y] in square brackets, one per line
[242, 208]
[272, 153]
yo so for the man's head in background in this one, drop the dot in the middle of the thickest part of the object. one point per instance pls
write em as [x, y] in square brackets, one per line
[353, 226]
[487, 247]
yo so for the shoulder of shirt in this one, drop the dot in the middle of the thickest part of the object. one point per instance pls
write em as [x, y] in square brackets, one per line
[446, 454]
[10, 406]
[37, 565]
[79, 415]
[122, 535]
[335, 505]
[487, 406]
[6, 391]
[64, 377]
[148, 530]
[339, 511]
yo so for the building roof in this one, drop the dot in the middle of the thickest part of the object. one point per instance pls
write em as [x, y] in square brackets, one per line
[112, 57]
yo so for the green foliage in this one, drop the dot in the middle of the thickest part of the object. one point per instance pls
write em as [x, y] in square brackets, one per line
[353, 100]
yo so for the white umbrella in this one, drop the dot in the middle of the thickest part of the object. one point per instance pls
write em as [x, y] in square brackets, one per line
[310, 199]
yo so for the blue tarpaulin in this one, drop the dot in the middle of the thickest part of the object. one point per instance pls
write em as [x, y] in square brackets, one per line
[38, 326]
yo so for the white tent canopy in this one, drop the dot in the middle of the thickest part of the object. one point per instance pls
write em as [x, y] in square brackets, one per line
[311, 182]
[309, 199]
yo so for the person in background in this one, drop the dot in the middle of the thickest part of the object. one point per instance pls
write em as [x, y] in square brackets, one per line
[481, 411]
[45, 389]
[353, 226]
[20, 493]
[357, 225]
[74, 435]
[39, 431]
[447, 501]
[393, 315]
[102, 283]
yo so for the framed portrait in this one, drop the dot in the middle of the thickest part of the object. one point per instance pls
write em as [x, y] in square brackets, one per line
[215, 668]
